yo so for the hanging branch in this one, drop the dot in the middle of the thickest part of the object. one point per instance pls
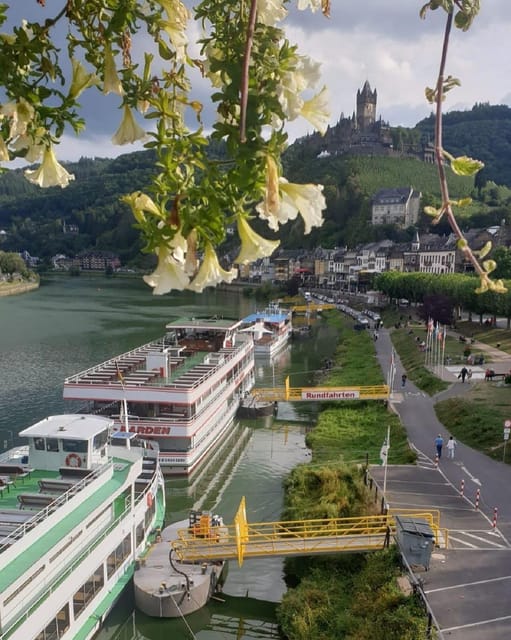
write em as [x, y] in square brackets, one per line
[245, 70]
[462, 165]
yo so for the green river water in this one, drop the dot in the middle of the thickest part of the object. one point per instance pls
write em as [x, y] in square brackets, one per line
[69, 324]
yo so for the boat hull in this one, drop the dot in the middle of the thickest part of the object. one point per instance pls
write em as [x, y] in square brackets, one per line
[167, 588]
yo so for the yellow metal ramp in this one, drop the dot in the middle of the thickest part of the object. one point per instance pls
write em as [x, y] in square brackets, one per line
[321, 394]
[293, 538]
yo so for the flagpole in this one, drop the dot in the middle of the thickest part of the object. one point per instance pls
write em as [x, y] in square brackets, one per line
[124, 400]
[386, 460]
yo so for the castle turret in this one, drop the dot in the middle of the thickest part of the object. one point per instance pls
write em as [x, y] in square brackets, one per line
[366, 107]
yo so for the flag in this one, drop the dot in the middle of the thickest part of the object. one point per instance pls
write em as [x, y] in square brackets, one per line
[120, 377]
[384, 451]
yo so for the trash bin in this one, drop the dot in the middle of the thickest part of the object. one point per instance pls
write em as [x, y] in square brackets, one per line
[415, 539]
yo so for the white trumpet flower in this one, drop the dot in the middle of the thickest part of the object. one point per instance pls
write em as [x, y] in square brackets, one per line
[81, 79]
[317, 110]
[307, 199]
[50, 173]
[253, 246]
[141, 203]
[129, 130]
[21, 113]
[111, 82]
[269, 12]
[32, 145]
[210, 272]
[168, 275]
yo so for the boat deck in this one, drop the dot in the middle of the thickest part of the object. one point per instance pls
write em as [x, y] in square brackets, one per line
[29, 485]
[192, 367]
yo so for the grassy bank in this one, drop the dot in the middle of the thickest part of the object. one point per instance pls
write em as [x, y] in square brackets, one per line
[16, 288]
[347, 596]
[478, 418]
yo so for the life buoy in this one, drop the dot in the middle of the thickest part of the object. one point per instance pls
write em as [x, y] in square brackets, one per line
[149, 499]
[73, 460]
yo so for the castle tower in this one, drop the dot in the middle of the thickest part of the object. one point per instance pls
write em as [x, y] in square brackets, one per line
[366, 107]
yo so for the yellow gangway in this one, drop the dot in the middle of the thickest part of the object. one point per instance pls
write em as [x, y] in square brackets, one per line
[292, 538]
[321, 394]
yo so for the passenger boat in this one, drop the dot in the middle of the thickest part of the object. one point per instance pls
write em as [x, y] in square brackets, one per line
[181, 391]
[164, 586]
[271, 328]
[78, 506]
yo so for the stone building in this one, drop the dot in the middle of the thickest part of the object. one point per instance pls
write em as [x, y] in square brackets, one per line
[396, 206]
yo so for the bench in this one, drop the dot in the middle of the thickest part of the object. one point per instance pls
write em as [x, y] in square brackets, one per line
[35, 500]
[491, 375]
[54, 485]
[16, 470]
[74, 472]
[14, 517]
[6, 482]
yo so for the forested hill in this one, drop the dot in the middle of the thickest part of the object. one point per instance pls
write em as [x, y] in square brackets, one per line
[35, 218]
[88, 214]
[484, 133]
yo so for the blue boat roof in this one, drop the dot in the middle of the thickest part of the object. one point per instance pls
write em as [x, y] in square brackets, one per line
[266, 317]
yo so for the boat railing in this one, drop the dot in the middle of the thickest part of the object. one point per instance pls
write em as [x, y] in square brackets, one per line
[67, 570]
[139, 351]
[59, 501]
[187, 380]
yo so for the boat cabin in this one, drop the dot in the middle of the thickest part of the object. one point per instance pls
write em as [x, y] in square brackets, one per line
[70, 440]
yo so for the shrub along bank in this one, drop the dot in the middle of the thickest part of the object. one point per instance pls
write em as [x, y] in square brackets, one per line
[351, 596]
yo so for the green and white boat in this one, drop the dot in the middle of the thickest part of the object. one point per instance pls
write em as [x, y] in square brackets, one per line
[79, 505]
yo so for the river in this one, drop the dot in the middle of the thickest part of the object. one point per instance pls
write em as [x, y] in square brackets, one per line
[69, 324]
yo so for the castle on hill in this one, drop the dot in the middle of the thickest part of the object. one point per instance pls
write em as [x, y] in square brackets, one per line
[363, 134]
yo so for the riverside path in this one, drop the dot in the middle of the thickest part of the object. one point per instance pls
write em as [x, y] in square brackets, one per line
[468, 586]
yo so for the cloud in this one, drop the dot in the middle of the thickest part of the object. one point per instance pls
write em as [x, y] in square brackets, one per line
[385, 43]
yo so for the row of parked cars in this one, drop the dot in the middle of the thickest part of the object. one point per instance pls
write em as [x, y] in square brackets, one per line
[362, 318]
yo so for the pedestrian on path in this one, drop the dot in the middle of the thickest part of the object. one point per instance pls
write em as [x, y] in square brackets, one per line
[463, 374]
[451, 446]
[439, 443]
[403, 379]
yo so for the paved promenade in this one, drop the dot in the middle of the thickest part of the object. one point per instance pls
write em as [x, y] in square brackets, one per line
[468, 586]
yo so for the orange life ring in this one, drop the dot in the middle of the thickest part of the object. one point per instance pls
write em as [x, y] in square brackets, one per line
[149, 499]
[73, 460]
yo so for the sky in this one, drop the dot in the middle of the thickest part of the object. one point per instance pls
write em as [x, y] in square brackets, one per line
[382, 41]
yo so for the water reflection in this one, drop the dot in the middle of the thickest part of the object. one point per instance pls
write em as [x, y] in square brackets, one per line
[73, 323]
[237, 618]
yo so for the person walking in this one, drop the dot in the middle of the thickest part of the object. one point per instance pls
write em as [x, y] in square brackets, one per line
[451, 446]
[463, 374]
[439, 443]
[403, 379]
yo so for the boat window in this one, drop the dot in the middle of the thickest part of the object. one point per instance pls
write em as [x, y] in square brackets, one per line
[77, 446]
[52, 444]
[100, 440]
[39, 444]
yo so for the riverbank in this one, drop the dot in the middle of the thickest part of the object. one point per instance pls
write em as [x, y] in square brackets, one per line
[16, 288]
[347, 595]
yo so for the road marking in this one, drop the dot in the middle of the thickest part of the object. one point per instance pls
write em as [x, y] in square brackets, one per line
[475, 480]
[468, 584]
[475, 624]
[480, 539]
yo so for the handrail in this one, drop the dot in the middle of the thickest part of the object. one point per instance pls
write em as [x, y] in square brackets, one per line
[42, 597]
[60, 500]
[321, 535]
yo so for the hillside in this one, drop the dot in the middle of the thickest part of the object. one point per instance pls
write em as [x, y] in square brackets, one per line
[89, 214]
[484, 133]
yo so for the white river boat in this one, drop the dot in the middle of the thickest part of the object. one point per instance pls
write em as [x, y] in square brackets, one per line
[271, 328]
[78, 507]
[181, 392]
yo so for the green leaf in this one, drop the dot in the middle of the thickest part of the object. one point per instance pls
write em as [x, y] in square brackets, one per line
[465, 166]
